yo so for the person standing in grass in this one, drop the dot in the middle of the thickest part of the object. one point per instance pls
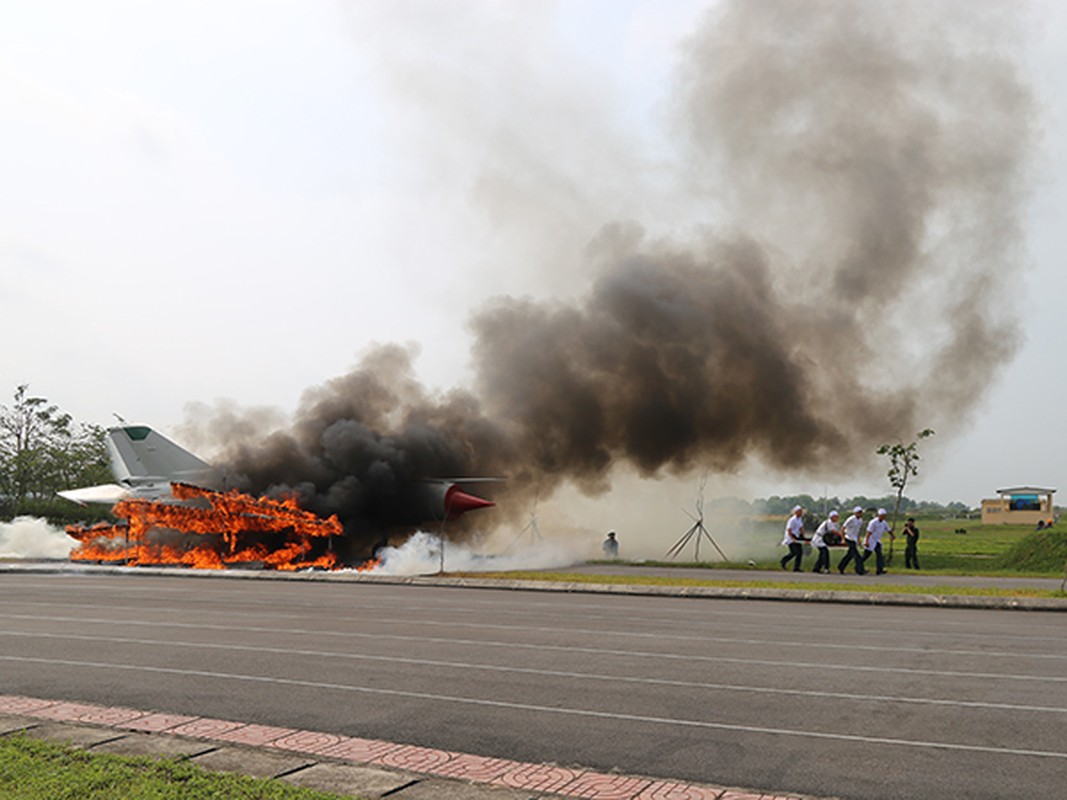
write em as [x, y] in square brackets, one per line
[819, 542]
[911, 544]
[794, 538]
[852, 527]
[611, 547]
[872, 542]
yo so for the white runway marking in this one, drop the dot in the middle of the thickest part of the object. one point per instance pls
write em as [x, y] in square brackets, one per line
[600, 675]
[394, 622]
[768, 620]
[633, 718]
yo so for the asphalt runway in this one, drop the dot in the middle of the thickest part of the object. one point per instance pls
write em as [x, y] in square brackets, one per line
[833, 700]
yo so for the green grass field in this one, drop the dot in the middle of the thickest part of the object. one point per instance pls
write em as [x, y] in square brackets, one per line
[831, 583]
[946, 547]
[39, 770]
[980, 550]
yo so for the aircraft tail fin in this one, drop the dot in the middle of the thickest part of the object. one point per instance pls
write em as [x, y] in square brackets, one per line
[137, 453]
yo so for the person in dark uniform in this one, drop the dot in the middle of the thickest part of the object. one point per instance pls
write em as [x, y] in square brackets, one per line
[611, 546]
[911, 544]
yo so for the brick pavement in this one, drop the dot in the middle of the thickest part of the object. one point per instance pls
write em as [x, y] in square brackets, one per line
[463, 769]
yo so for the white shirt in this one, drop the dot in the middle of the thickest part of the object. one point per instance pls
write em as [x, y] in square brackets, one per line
[876, 528]
[828, 526]
[794, 529]
[853, 526]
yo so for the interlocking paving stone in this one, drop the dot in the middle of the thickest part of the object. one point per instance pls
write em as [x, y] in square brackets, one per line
[308, 742]
[474, 768]
[433, 789]
[348, 779]
[77, 735]
[156, 723]
[352, 748]
[537, 777]
[83, 712]
[129, 731]
[258, 763]
[255, 735]
[204, 728]
[13, 704]
[663, 790]
[597, 786]
[419, 759]
[61, 712]
[146, 744]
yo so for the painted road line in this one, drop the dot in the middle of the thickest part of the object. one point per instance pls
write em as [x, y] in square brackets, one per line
[600, 675]
[551, 710]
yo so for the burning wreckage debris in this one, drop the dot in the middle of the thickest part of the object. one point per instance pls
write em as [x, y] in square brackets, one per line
[172, 521]
[225, 528]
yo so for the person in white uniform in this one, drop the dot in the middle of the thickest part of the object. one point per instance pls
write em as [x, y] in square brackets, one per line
[818, 541]
[872, 542]
[851, 529]
[794, 538]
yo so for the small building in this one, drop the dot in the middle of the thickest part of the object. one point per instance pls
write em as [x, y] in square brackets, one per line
[1019, 505]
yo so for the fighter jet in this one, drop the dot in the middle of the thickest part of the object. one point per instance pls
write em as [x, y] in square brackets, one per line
[145, 464]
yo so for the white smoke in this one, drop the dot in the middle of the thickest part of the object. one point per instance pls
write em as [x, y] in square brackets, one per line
[421, 555]
[32, 537]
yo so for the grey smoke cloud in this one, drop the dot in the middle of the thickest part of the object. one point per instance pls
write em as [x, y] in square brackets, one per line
[862, 167]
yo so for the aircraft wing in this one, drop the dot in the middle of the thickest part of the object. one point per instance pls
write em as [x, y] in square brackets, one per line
[105, 493]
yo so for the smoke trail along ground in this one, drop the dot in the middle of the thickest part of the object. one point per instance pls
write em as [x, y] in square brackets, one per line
[32, 537]
[421, 555]
[863, 168]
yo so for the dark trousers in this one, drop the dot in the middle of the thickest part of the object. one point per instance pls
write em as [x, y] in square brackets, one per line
[911, 557]
[796, 550]
[823, 561]
[878, 559]
[852, 556]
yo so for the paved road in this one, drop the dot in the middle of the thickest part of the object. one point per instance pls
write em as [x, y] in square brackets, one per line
[856, 702]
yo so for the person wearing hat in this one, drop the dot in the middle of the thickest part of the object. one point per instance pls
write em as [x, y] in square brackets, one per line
[794, 538]
[818, 541]
[872, 542]
[611, 546]
[911, 544]
[851, 529]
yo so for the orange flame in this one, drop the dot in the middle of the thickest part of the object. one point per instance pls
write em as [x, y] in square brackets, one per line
[230, 526]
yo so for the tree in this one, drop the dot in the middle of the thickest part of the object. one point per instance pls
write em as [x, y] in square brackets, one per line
[903, 465]
[42, 450]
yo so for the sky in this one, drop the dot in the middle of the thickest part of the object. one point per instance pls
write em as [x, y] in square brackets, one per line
[214, 205]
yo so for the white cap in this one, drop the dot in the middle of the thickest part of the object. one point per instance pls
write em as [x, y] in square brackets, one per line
[857, 509]
[882, 512]
[834, 513]
[796, 509]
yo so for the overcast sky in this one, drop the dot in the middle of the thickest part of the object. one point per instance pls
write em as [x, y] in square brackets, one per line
[228, 202]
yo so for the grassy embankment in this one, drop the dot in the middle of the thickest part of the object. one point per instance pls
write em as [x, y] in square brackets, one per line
[38, 770]
[985, 550]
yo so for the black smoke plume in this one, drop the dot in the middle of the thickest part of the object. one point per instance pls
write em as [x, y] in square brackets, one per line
[861, 168]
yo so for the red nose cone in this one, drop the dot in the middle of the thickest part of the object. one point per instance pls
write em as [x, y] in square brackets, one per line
[458, 502]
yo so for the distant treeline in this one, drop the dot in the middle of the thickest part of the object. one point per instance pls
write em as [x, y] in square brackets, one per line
[783, 505]
[43, 451]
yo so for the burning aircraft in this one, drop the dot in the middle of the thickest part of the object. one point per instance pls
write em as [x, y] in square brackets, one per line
[177, 509]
